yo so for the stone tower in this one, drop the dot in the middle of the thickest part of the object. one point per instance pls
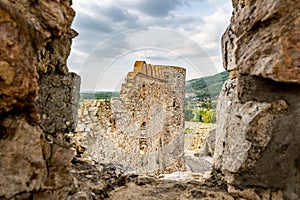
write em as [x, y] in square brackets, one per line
[143, 129]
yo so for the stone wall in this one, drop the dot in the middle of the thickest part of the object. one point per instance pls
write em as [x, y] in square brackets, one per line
[259, 106]
[143, 129]
[35, 42]
[257, 149]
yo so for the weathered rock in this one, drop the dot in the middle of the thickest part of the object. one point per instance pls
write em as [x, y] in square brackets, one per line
[263, 39]
[25, 27]
[211, 141]
[255, 193]
[35, 38]
[18, 79]
[22, 165]
[106, 181]
[199, 164]
[59, 159]
[53, 57]
[257, 148]
[257, 134]
[143, 129]
[257, 140]
[58, 102]
[196, 140]
[208, 147]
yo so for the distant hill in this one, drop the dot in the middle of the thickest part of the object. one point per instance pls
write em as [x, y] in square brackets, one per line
[209, 86]
[98, 95]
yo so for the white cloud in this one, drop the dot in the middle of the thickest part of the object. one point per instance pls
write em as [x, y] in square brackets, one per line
[212, 28]
[180, 32]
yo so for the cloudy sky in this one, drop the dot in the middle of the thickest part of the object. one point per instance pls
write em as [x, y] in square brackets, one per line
[113, 34]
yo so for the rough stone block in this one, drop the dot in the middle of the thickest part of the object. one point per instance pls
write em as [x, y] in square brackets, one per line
[263, 40]
[257, 134]
[208, 148]
[143, 129]
[35, 38]
[22, 165]
[58, 102]
[18, 79]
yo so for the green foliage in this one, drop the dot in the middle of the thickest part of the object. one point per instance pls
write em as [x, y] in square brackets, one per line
[208, 116]
[203, 102]
[194, 120]
[98, 95]
[80, 100]
[188, 114]
[207, 86]
[188, 130]
[203, 115]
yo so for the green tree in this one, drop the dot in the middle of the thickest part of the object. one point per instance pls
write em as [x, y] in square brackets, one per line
[208, 116]
[188, 114]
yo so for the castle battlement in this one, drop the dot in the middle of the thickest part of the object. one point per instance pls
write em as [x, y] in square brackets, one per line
[143, 128]
[148, 69]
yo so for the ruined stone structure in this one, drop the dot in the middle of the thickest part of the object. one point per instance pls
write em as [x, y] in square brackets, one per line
[143, 129]
[257, 149]
[258, 113]
[35, 42]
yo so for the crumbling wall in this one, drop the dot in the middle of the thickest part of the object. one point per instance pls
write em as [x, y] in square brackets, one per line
[35, 42]
[259, 106]
[143, 129]
[257, 150]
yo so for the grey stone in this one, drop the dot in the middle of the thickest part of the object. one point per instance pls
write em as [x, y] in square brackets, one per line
[58, 99]
[262, 39]
[257, 140]
[209, 144]
[142, 129]
[22, 164]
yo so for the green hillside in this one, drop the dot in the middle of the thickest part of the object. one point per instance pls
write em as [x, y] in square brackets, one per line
[200, 101]
[98, 95]
[209, 86]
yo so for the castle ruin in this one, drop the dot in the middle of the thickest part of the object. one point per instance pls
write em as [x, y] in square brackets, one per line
[143, 129]
[257, 146]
